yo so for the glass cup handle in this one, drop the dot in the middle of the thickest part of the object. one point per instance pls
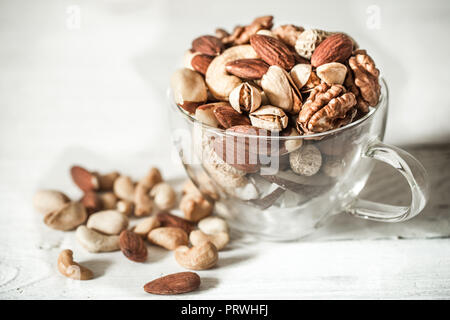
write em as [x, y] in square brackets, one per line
[414, 173]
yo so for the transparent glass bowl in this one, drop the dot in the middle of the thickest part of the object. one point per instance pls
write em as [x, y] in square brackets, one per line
[291, 184]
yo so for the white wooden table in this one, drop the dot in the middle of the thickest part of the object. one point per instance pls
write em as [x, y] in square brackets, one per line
[93, 93]
[374, 264]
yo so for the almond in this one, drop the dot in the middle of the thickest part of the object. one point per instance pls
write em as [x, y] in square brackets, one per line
[273, 51]
[175, 283]
[132, 246]
[201, 63]
[169, 220]
[84, 179]
[336, 48]
[250, 69]
[228, 117]
[209, 45]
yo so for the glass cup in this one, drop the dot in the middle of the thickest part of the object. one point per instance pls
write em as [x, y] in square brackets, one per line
[282, 187]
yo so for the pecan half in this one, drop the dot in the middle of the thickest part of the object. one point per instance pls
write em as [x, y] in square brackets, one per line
[365, 76]
[241, 35]
[327, 108]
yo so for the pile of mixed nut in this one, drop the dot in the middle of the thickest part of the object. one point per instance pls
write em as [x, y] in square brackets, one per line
[258, 94]
[101, 219]
[287, 79]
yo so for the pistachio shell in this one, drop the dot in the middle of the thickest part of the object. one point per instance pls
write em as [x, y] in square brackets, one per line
[332, 73]
[245, 97]
[277, 88]
[300, 74]
[269, 118]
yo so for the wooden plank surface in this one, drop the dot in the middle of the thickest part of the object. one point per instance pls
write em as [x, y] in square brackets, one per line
[312, 268]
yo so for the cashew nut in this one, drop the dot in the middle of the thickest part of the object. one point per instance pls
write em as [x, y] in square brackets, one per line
[71, 269]
[201, 257]
[45, 201]
[163, 195]
[124, 188]
[153, 177]
[94, 242]
[212, 225]
[108, 222]
[219, 81]
[168, 237]
[195, 207]
[219, 240]
[142, 201]
[68, 217]
[146, 225]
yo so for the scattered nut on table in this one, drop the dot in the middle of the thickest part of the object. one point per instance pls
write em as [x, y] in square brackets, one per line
[45, 201]
[219, 239]
[94, 241]
[68, 217]
[176, 283]
[169, 238]
[70, 269]
[146, 225]
[109, 222]
[201, 257]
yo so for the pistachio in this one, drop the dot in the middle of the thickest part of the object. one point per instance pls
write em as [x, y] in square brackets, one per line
[245, 97]
[269, 118]
[332, 73]
[300, 74]
[277, 88]
[189, 89]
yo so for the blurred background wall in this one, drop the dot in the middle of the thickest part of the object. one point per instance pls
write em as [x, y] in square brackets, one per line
[94, 73]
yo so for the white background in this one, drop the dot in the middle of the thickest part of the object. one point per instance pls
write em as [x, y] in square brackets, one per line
[100, 86]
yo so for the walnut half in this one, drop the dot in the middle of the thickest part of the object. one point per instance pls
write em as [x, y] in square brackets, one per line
[328, 107]
[363, 80]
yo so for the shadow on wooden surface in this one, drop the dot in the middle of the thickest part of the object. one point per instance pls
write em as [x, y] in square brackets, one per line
[388, 186]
